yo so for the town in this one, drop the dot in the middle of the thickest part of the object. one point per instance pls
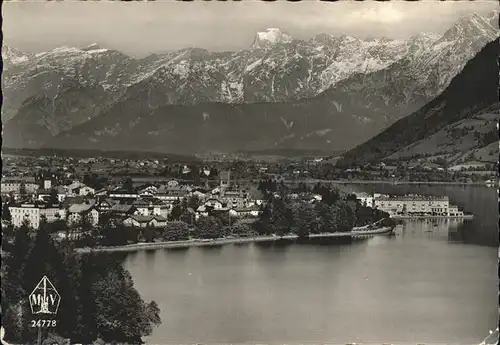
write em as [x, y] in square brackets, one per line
[152, 200]
[76, 199]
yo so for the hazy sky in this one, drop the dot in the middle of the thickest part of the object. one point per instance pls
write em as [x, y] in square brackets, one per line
[149, 27]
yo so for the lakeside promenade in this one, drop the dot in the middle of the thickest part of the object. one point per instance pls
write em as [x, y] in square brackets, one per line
[355, 233]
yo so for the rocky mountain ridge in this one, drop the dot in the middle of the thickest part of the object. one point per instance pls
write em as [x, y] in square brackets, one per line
[314, 123]
[458, 125]
[372, 83]
[269, 72]
[276, 68]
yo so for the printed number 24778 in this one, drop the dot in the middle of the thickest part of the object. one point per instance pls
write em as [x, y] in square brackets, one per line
[43, 323]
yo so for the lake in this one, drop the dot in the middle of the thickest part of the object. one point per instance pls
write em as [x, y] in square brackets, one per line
[435, 282]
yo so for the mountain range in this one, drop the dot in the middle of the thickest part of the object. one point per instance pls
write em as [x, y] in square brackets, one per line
[328, 93]
[460, 125]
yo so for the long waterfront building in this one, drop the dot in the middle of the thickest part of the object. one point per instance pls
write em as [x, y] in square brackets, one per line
[417, 205]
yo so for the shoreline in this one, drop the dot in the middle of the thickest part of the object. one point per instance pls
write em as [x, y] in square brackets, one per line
[222, 241]
[392, 182]
[433, 217]
[341, 181]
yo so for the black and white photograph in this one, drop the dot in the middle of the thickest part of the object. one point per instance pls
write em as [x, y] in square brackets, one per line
[250, 172]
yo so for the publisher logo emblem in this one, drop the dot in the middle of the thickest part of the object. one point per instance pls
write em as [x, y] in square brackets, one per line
[44, 299]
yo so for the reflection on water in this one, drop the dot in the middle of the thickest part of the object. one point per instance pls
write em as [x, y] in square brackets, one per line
[452, 230]
[435, 281]
[478, 200]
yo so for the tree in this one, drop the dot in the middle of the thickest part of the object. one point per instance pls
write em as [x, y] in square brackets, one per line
[328, 218]
[85, 222]
[53, 198]
[329, 196]
[176, 231]
[317, 188]
[98, 298]
[305, 219]
[115, 234]
[344, 216]
[82, 225]
[184, 204]
[128, 185]
[224, 217]
[7, 232]
[86, 330]
[213, 172]
[149, 234]
[351, 197]
[121, 314]
[6, 213]
[209, 227]
[194, 175]
[176, 212]
[45, 260]
[316, 223]
[241, 230]
[57, 225]
[193, 202]
[13, 293]
[262, 226]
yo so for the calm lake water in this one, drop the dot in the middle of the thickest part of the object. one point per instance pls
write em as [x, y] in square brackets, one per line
[435, 282]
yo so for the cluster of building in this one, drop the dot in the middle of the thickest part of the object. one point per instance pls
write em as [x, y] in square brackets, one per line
[147, 206]
[411, 205]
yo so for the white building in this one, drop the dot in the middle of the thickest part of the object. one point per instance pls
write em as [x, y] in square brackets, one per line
[86, 190]
[214, 203]
[119, 194]
[453, 211]
[149, 190]
[77, 211]
[15, 186]
[245, 212]
[234, 198]
[413, 204]
[172, 184]
[365, 199]
[10, 187]
[201, 211]
[152, 208]
[34, 212]
[78, 188]
[140, 221]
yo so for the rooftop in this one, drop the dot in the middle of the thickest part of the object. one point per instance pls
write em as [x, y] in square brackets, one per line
[79, 208]
[412, 198]
[36, 205]
[147, 219]
[362, 194]
[121, 208]
[18, 179]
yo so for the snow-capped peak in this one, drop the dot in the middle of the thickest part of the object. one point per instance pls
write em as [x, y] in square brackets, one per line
[13, 56]
[471, 24]
[270, 37]
[93, 46]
